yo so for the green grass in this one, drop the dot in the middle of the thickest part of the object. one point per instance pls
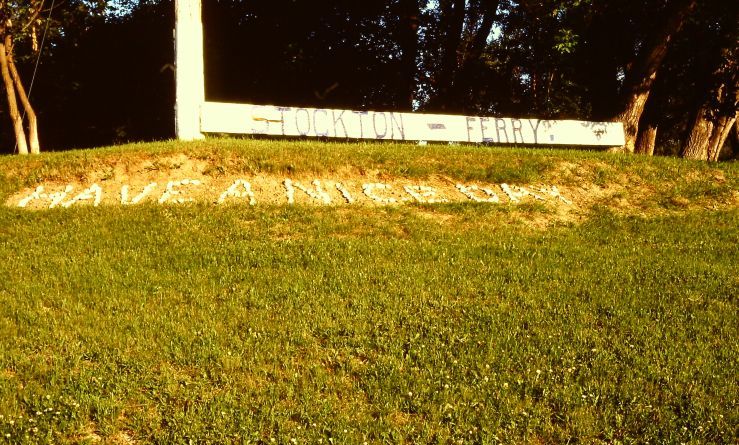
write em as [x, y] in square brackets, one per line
[348, 325]
[465, 162]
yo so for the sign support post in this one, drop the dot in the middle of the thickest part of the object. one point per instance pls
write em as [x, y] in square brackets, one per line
[189, 69]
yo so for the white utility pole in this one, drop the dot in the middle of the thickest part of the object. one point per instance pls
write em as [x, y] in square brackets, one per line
[189, 69]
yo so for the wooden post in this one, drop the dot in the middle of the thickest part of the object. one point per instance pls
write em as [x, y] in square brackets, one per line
[190, 69]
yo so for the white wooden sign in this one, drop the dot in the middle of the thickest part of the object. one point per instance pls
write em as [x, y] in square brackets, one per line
[195, 116]
[331, 123]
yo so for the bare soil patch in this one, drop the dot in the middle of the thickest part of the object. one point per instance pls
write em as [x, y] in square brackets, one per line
[179, 179]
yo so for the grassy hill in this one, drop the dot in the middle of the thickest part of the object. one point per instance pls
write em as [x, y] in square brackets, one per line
[609, 318]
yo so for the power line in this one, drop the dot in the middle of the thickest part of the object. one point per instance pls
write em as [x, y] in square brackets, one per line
[41, 49]
[38, 61]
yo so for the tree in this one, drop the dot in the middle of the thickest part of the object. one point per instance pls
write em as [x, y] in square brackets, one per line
[24, 26]
[539, 47]
[552, 59]
[409, 14]
[19, 20]
[716, 81]
[718, 114]
[648, 125]
[640, 76]
[459, 33]
[115, 71]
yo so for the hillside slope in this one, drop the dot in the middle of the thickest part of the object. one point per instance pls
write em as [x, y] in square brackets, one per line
[216, 172]
[604, 311]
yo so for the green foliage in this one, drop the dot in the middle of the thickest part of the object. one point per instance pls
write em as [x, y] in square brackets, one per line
[549, 59]
[566, 41]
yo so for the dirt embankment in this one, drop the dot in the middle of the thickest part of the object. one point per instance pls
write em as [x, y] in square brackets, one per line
[177, 180]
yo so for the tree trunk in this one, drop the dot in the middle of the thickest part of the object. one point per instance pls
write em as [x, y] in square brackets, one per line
[643, 72]
[707, 138]
[647, 139]
[30, 113]
[728, 117]
[696, 147]
[721, 131]
[480, 40]
[717, 115]
[459, 90]
[630, 118]
[734, 139]
[452, 22]
[20, 136]
[408, 39]
[461, 50]
[648, 125]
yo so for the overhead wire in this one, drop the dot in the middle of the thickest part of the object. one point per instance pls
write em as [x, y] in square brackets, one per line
[38, 61]
[41, 48]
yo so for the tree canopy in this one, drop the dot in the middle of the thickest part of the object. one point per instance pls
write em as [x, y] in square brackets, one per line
[663, 67]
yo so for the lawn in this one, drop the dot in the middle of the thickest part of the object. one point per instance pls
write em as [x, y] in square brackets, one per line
[447, 323]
